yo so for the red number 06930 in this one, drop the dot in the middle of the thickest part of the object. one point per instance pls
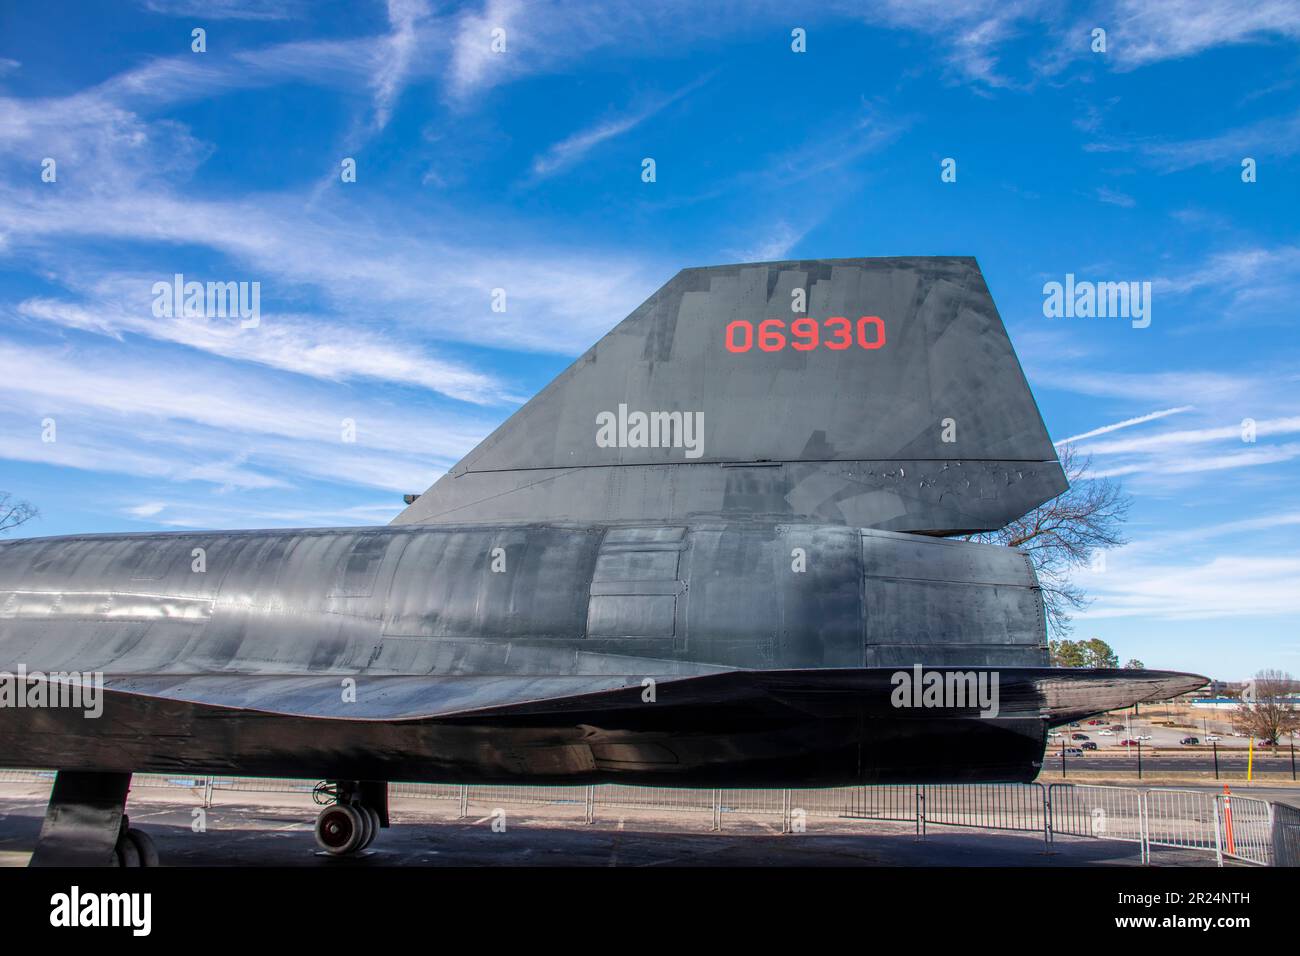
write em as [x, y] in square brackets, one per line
[806, 334]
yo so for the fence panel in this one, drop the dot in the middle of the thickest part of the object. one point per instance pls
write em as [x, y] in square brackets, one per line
[1247, 827]
[555, 796]
[168, 780]
[655, 798]
[262, 784]
[1286, 835]
[26, 776]
[1112, 813]
[754, 801]
[426, 791]
[824, 802]
[886, 802]
[989, 806]
[1184, 819]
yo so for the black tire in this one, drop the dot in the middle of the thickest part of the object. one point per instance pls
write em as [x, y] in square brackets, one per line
[373, 814]
[126, 853]
[367, 827]
[143, 846]
[339, 830]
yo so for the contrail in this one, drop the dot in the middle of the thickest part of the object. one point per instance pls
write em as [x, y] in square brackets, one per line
[1124, 424]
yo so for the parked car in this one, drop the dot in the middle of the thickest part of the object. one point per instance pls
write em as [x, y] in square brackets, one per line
[1073, 752]
[1055, 733]
[1118, 727]
[1128, 743]
[1107, 733]
[1093, 723]
[1190, 740]
[1266, 743]
[1214, 737]
[1090, 745]
[1143, 736]
[1078, 736]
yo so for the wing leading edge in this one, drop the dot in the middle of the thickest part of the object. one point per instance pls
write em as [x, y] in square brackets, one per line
[1058, 695]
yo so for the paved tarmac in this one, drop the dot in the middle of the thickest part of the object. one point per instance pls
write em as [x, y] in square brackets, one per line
[276, 830]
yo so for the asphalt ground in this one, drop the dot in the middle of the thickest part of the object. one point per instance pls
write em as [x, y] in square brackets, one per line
[258, 830]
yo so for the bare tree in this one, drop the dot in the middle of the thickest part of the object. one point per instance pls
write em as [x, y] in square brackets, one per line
[14, 512]
[1265, 712]
[1065, 533]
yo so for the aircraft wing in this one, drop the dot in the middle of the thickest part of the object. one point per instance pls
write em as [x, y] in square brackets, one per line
[1059, 695]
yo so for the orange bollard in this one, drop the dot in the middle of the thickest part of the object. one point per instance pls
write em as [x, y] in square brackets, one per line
[1227, 817]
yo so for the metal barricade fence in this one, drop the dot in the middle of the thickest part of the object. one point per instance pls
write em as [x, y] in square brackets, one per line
[1286, 835]
[656, 798]
[263, 784]
[426, 791]
[1246, 827]
[26, 776]
[754, 802]
[988, 806]
[1241, 828]
[1086, 810]
[886, 802]
[1183, 819]
[824, 802]
[180, 781]
[495, 795]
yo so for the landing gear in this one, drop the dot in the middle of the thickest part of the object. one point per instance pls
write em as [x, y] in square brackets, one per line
[341, 829]
[85, 824]
[134, 847]
[354, 814]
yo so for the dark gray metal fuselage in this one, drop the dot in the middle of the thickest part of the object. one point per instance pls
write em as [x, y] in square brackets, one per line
[426, 645]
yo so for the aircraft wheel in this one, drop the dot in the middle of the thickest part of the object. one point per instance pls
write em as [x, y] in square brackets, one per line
[144, 847]
[340, 829]
[373, 816]
[367, 827]
[126, 852]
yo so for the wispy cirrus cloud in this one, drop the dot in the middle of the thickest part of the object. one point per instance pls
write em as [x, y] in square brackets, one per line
[1195, 463]
[1193, 436]
[228, 9]
[971, 31]
[213, 512]
[1114, 197]
[1148, 31]
[776, 244]
[212, 423]
[305, 344]
[1237, 421]
[546, 36]
[370, 263]
[573, 148]
[402, 45]
[1126, 423]
[1230, 586]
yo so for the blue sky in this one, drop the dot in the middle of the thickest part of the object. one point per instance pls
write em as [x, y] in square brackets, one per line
[521, 170]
